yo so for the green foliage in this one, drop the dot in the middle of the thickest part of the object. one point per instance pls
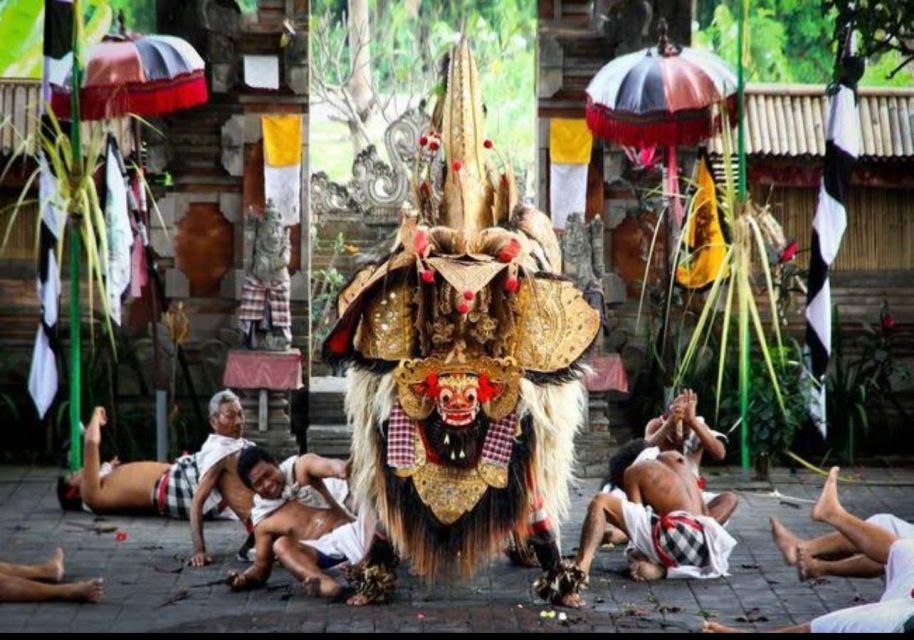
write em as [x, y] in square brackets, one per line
[773, 428]
[858, 387]
[792, 40]
[139, 15]
[885, 29]
[22, 33]
[325, 286]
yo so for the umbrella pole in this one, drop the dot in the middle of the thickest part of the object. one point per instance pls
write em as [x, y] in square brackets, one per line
[741, 191]
[75, 250]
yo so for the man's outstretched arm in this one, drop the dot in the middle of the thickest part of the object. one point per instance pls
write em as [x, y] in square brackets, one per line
[204, 489]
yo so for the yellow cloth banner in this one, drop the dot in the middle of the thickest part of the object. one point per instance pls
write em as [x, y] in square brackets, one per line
[570, 141]
[282, 139]
[704, 235]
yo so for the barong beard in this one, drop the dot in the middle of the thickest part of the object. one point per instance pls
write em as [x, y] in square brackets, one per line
[441, 551]
[456, 446]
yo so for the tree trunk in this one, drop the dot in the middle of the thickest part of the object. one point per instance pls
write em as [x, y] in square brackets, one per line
[359, 85]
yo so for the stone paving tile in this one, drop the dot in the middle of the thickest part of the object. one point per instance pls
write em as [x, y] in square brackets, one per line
[149, 588]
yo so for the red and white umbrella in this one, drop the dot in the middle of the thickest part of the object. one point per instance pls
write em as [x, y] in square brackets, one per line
[665, 95]
[144, 75]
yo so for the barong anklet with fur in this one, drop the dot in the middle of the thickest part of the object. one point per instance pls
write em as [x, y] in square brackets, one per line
[563, 579]
[375, 577]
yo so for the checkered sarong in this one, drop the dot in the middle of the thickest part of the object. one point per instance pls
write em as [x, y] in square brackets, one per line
[500, 440]
[401, 439]
[174, 491]
[679, 540]
[254, 296]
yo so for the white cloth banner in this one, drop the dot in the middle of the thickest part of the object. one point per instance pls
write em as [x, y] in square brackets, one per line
[120, 235]
[261, 72]
[43, 374]
[282, 185]
[567, 192]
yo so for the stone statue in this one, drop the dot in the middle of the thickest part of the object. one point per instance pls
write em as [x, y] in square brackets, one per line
[265, 315]
[583, 261]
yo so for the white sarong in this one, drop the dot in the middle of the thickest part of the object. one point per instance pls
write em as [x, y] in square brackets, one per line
[893, 610]
[348, 542]
[719, 543]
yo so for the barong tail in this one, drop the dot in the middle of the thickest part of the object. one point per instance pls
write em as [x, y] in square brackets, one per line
[463, 345]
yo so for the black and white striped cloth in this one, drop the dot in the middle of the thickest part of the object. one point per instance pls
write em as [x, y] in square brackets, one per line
[43, 376]
[842, 146]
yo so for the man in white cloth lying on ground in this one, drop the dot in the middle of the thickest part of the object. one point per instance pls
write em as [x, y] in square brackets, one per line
[815, 558]
[299, 519]
[894, 613]
[671, 533]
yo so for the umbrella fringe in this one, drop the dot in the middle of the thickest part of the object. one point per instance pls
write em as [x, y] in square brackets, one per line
[99, 102]
[661, 128]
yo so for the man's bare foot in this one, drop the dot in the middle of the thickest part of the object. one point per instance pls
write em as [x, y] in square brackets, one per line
[828, 504]
[786, 541]
[571, 600]
[324, 586]
[646, 571]
[54, 566]
[358, 600]
[87, 591]
[808, 568]
[716, 627]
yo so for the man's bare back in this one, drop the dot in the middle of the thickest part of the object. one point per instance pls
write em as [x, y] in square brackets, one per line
[665, 484]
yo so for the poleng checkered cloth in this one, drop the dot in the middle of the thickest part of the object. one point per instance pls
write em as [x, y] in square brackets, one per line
[254, 297]
[679, 540]
[174, 491]
[499, 440]
[401, 439]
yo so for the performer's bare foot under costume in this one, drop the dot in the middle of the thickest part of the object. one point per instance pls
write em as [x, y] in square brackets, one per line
[41, 582]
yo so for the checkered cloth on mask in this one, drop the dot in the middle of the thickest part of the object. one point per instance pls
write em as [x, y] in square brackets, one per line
[254, 296]
[499, 440]
[401, 439]
[679, 540]
[174, 491]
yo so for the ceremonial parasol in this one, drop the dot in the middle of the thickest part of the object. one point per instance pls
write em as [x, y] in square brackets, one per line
[145, 75]
[141, 75]
[665, 95]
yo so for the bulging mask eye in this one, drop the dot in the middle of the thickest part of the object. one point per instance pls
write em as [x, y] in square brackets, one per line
[471, 395]
[446, 396]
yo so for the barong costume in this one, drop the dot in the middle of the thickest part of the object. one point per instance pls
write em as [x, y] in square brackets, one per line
[463, 385]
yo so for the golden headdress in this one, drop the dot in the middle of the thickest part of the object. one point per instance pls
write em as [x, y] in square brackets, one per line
[467, 281]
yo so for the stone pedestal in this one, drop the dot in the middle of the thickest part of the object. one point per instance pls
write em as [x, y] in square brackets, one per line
[264, 380]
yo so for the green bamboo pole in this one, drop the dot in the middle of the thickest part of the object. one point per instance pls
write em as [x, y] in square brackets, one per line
[741, 191]
[76, 457]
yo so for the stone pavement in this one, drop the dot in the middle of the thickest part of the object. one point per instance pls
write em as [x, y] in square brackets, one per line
[149, 588]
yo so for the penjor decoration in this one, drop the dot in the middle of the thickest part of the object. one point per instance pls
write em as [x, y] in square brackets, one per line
[463, 382]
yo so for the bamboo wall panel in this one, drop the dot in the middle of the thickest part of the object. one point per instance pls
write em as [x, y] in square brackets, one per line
[22, 235]
[880, 229]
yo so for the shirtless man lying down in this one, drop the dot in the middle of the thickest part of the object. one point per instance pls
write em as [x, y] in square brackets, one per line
[666, 520]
